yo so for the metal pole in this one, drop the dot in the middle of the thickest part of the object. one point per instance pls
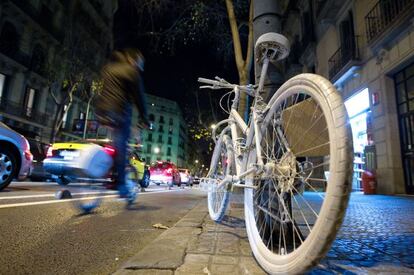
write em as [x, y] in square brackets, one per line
[86, 118]
[267, 17]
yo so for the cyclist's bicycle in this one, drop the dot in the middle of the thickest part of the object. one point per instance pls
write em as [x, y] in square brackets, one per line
[293, 159]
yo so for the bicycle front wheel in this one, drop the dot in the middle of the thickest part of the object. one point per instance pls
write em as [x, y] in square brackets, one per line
[306, 145]
[222, 164]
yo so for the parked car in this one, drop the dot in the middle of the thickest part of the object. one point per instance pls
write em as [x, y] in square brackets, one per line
[59, 152]
[39, 151]
[165, 172]
[15, 156]
[185, 176]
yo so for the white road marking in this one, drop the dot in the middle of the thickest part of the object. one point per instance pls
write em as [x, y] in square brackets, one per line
[78, 199]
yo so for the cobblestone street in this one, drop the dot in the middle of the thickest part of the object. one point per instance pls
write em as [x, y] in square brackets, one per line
[377, 237]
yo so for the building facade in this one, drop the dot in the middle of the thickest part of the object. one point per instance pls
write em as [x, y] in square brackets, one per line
[366, 48]
[166, 140]
[32, 36]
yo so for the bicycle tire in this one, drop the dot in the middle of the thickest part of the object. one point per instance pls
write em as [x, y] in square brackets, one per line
[222, 164]
[282, 240]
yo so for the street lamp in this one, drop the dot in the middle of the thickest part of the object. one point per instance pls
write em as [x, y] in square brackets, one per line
[156, 150]
[213, 126]
[196, 161]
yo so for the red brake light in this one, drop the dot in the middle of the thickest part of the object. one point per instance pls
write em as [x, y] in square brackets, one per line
[109, 150]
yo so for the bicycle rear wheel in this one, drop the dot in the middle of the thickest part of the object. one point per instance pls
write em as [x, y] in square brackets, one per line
[306, 145]
[222, 164]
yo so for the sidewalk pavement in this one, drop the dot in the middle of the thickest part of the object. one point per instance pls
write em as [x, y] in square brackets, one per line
[377, 237]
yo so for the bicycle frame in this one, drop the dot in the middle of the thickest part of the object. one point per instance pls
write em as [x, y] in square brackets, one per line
[251, 133]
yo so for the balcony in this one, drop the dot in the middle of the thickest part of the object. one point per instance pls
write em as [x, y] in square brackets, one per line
[386, 18]
[16, 109]
[344, 58]
[44, 18]
[12, 52]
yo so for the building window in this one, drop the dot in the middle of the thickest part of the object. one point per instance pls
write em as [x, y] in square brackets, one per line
[2, 85]
[149, 149]
[168, 160]
[10, 40]
[168, 151]
[160, 138]
[161, 129]
[171, 122]
[149, 137]
[65, 117]
[170, 130]
[29, 101]
[161, 119]
[151, 117]
[169, 140]
[37, 63]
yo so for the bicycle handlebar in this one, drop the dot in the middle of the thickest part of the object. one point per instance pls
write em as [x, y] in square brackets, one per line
[223, 84]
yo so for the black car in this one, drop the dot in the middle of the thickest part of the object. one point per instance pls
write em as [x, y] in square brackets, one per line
[39, 152]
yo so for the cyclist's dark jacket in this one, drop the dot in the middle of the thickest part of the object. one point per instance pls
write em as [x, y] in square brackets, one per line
[122, 86]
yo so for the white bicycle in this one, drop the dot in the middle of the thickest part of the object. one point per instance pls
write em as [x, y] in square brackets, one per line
[293, 159]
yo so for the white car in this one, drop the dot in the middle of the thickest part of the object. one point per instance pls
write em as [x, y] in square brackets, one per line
[185, 176]
[15, 156]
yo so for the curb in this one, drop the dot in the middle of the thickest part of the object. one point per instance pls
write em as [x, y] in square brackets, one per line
[167, 252]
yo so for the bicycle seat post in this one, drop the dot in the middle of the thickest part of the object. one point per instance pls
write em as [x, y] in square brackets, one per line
[270, 47]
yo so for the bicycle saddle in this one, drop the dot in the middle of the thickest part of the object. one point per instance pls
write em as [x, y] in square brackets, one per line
[273, 45]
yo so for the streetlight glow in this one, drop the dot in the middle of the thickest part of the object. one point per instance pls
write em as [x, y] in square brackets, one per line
[213, 126]
[156, 150]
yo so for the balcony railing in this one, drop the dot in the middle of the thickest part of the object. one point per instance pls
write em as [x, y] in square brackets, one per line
[383, 14]
[346, 53]
[16, 109]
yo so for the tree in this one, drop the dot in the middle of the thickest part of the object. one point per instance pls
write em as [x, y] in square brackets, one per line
[243, 64]
[170, 25]
[72, 71]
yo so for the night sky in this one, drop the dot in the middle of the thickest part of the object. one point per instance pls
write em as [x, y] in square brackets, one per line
[174, 76]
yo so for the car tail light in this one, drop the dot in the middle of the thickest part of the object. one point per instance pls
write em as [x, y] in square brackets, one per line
[169, 171]
[109, 150]
[28, 155]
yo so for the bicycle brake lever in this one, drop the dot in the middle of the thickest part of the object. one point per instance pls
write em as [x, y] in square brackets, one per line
[210, 87]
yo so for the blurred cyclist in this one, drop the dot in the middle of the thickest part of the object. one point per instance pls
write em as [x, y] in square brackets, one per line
[122, 88]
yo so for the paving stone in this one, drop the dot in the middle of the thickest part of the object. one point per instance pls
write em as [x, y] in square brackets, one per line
[225, 260]
[377, 237]
[144, 272]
